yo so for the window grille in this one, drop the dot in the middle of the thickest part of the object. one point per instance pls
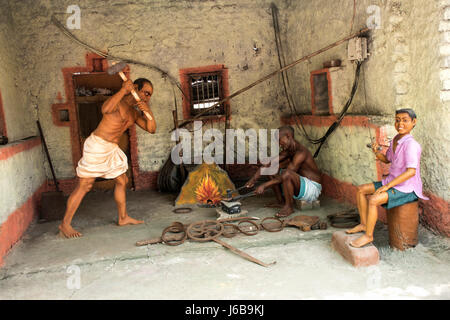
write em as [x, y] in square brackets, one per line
[206, 90]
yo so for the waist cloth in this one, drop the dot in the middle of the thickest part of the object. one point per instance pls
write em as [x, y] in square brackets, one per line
[309, 190]
[101, 159]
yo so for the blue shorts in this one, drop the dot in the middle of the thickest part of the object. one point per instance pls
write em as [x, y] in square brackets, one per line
[396, 198]
[309, 190]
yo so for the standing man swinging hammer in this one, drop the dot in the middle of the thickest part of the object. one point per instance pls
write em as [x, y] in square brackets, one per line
[102, 156]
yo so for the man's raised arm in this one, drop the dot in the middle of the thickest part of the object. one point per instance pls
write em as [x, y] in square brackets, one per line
[112, 104]
[144, 122]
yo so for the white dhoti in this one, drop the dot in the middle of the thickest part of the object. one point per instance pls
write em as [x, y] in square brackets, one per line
[102, 159]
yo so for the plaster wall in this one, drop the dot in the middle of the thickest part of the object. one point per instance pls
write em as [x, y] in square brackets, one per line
[405, 69]
[409, 66]
[22, 173]
[349, 163]
[169, 34]
[17, 110]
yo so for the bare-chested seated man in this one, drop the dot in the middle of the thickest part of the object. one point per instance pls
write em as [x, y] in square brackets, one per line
[102, 156]
[299, 175]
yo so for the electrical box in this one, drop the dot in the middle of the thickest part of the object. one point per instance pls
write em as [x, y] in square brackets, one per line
[357, 49]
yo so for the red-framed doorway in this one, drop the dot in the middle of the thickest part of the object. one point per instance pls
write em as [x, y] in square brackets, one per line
[94, 63]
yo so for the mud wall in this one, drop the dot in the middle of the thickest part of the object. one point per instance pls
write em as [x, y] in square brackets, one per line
[403, 69]
[407, 67]
[22, 174]
[169, 34]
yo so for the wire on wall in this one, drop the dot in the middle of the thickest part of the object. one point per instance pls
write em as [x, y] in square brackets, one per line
[287, 89]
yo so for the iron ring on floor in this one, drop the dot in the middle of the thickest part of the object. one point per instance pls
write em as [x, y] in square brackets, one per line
[274, 229]
[182, 210]
[247, 233]
[176, 227]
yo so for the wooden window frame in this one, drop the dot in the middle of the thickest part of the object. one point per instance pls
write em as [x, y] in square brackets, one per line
[314, 110]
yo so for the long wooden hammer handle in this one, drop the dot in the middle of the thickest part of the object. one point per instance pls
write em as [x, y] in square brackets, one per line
[135, 95]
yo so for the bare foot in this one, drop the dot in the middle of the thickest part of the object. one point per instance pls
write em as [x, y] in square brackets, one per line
[274, 205]
[358, 228]
[68, 232]
[361, 241]
[286, 211]
[128, 220]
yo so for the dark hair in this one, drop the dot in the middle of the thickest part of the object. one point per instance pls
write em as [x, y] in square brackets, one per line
[284, 129]
[140, 82]
[409, 111]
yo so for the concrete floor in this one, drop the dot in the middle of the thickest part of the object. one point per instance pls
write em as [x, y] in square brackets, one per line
[108, 265]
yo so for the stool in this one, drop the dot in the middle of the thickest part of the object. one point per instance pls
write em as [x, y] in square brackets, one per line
[403, 224]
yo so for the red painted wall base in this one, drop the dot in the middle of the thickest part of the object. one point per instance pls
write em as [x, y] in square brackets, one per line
[345, 192]
[17, 223]
[434, 213]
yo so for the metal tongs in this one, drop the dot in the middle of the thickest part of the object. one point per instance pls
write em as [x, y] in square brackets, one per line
[230, 197]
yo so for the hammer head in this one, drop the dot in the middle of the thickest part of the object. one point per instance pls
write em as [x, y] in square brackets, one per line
[116, 68]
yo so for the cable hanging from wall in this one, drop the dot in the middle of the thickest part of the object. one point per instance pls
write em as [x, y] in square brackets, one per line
[284, 74]
[71, 36]
[287, 89]
[165, 74]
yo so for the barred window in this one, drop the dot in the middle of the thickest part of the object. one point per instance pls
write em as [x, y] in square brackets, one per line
[203, 87]
[205, 92]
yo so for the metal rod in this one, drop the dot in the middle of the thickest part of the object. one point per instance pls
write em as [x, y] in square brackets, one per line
[207, 90]
[198, 94]
[48, 155]
[218, 88]
[243, 254]
[237, 219]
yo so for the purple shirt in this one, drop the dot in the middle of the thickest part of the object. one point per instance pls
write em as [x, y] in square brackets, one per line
[407, 155]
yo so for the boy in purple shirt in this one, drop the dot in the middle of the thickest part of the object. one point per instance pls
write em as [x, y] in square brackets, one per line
[402, 185]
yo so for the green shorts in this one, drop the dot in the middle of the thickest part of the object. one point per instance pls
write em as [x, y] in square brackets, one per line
[396, 198]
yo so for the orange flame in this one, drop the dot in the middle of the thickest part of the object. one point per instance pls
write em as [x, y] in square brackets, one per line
[208, 190]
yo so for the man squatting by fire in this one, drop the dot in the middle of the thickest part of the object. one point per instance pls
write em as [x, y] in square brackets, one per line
[299, 175]
[102, 156]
